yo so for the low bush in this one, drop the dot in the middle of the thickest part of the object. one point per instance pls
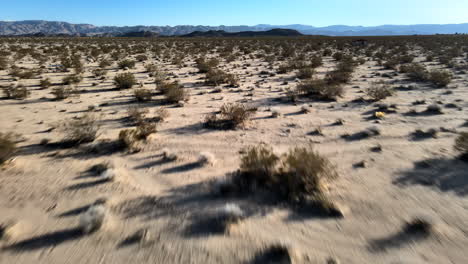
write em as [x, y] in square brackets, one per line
[64, 92]
[305, 73]
[142, 95]
[71, 79]
[461, 145]
[415, 71]
[300, 173]
[45, 83]
[205, 66]
[129, 64]
[7, 147]
[173, 92]
[216, 77]
[379, 91]
[231, 116]
[320, 89]
[82, 130]
[440, 78]
[124, 80]
[18, 92]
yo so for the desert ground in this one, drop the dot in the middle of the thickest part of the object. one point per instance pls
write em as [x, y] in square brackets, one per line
[158, 197]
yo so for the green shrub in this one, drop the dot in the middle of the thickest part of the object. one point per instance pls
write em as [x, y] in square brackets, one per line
[124, 80]
[7, 147]
[176, 94]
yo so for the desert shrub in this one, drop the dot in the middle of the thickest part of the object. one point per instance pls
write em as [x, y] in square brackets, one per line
[99, 72]
[316, 61]
[259, 163]
[343, 72]
[379, 91]
[71, 79]
[151, 67]
[440, 78]
[327, 52]
[231, 116]
[144, 129]
[22, 74]
[320, 89]
[126, 64]
[7, 147]
[304, 171]
[104, 63]
[295, 175]
[305, 73]
[125, 80]
[128, 139]
[461, 145]
[216, 77]
[82, 130]
[176, 95]
[141, 58]
[173, 92]
[18, 92]
[45, 83]
[159, 77]
[205, 66]
[415, 71]
[137, 114]
[142, 95]
[3, 63]
[63, 92]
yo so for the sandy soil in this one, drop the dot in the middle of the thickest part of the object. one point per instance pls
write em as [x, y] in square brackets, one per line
[46, 189]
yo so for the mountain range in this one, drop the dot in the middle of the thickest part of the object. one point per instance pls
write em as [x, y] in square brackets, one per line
[31, 27]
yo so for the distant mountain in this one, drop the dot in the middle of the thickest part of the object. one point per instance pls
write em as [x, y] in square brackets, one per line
[277, 32]
[31, 27]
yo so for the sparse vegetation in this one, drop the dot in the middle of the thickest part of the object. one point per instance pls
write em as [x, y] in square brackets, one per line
[379, 91]
[7, 147]
[461, 145]
[231, 116]
[18, 92]
[81, 130]
[125, 80]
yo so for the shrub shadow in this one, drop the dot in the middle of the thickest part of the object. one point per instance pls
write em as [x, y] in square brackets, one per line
[47, 240]
[448, 175]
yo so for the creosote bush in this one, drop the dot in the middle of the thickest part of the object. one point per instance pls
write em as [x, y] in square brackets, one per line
[142, 95]
[64, 92]
[7, 147]
[173, 92]
[440, 78]
[296, 175]
[71, 79]
[82, 130]
[320, 89]
[461, 145]
[126, 64]
[231, 116]
[379, 91]
[45, 83]
[125, 80]
[18, 92]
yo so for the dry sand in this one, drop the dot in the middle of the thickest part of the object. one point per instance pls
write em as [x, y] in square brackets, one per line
[46, 190]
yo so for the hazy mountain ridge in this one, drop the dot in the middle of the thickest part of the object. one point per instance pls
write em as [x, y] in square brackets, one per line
[30, 27]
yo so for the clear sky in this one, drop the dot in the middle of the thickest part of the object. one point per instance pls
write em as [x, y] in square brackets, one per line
[238, 12]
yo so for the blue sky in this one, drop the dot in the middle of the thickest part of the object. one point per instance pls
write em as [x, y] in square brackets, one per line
[238, 12]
